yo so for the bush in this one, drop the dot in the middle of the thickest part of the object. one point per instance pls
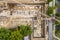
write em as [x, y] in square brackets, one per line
[57, 23]
[25, 30]
[56, 5]
[58, 18]
[4, 33]
[58, 14]
[57, 33]
[15, 34]
[49, 1]
[50, 11]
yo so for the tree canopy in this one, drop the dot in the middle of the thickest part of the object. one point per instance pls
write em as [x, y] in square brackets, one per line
[15, 34]
[49, 1]
[4, 33]
[50, 11]
[58, 14]
[57, 33]
[25, 30]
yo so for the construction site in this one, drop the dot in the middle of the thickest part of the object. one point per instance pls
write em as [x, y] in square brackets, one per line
[25, 12]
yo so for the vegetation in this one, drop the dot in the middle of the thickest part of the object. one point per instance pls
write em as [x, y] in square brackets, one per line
[57, 33]
[25, 30]
[49, 1]
[50, 11]
[4, 34]
[58, 14]
[58, 18]
[57, 23]
[15, 34]
[56, 5]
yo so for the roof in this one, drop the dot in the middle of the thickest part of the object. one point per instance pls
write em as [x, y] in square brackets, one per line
[26, 1]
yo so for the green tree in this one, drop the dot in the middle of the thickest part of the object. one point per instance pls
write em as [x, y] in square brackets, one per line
[58, 14]
[49, 1]
[4, 33]
[15, 35]
[25, 30]
[57, 23]
[50, 11]
[57, 33]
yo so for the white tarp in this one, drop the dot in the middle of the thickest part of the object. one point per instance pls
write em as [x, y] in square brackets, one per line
[26, 38]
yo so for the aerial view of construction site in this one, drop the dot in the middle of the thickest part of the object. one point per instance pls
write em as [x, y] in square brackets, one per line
[29, 19]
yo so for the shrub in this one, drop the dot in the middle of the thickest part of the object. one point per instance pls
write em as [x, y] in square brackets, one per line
[4, 33]
[49, 1]
[15, 34]
[57, 23]
[58, 14]
[25, 30]
[50, 11]
[57, 33]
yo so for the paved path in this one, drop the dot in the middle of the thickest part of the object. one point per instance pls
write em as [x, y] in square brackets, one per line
[50, 30]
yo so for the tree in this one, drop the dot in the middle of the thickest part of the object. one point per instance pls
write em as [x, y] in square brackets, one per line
[57, 33]
[25, 30]
[4, 33]
[58, 14]
[15, 35]
[50, 11]
[20, 32]
[57, 23]
[49, 1]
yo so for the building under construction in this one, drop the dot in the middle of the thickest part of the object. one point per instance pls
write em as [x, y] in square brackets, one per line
[25, 12]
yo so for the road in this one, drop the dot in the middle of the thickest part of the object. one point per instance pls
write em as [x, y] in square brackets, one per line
[50, 30]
